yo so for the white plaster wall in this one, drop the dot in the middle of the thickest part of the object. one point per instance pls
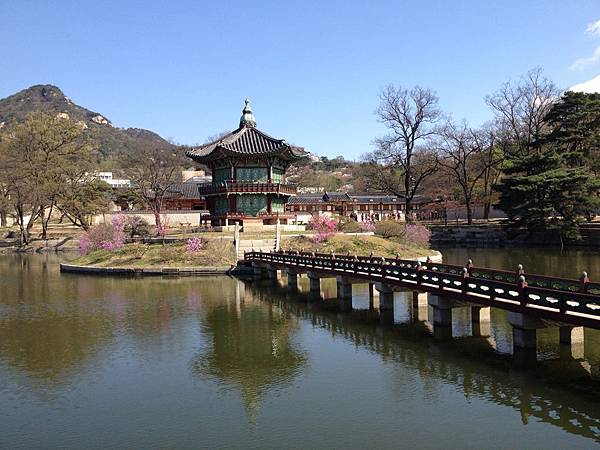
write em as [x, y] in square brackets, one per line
[174, 218]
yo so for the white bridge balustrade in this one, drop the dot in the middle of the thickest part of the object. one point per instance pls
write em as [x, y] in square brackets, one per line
[533, 301]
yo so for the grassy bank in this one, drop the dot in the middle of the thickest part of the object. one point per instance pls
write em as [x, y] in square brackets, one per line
[215, 253]
[358, 245]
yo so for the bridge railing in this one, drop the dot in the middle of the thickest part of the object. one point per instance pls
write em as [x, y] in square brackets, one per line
[533, 280]
[560, 296]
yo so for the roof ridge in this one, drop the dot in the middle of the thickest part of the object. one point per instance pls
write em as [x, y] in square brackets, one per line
[265, 135]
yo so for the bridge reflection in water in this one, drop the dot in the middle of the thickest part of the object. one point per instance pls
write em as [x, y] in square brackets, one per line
[471, 364]
[532, 302]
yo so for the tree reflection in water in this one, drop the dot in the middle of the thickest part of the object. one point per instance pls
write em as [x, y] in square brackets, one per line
[252, 349]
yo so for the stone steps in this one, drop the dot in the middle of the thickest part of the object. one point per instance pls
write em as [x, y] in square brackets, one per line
[266, 245]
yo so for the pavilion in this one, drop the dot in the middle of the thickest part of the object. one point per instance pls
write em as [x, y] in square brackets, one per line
[248, 175]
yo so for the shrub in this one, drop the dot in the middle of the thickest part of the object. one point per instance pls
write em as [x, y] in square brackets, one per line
[367, 227]
[136, 226]
[349, 226]
[389, 228]
[417, 234]
[194, 245]
[323, 226]
[104, 236]
[412, 233]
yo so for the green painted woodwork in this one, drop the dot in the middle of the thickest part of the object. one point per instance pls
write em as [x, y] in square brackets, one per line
[277, 175]
[277, 204]
[221, 205]
[252, 173]
[220, 175]
[251, 204]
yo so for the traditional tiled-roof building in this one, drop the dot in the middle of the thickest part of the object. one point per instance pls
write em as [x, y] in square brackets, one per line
[361, 206]
[184, 196]
[248, 175]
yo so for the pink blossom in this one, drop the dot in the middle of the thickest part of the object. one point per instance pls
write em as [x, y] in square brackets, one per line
[194, 245]
[119, 221]
[85, 244]
[367, 226]
[417, 234]
[103, 236]
[324, 227]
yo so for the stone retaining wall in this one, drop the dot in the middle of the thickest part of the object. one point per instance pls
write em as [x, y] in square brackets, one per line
[498, 236]
[145, 271]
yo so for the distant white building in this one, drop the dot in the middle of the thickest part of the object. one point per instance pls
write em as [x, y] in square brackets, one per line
[114, 182]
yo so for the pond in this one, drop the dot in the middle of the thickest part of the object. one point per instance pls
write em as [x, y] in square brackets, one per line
[216, 362]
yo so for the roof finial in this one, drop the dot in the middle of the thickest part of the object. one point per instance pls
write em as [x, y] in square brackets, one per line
[247, 119]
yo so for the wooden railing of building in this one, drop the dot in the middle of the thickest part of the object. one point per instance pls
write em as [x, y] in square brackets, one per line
[574, 302]
[245, 187]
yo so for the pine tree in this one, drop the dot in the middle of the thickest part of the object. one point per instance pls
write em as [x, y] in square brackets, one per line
[553, 186]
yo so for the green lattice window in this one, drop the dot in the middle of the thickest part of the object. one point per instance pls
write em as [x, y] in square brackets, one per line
[277, 204]
[277, 175]
[252, 204]
[221, 205]
[252, 173]
[220, 175]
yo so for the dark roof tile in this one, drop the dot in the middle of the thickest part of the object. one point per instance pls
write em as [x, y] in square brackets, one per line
[246, 141]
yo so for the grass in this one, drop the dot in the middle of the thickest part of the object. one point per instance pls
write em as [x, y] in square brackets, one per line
[358, 245]
[215, 253]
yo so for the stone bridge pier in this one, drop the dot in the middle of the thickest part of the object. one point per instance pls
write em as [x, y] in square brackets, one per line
[524, 333]
[442, 316]
[258, 270]
[386, 303]
[273, 273]
[419, 306]
[314, 281]
[292, 278]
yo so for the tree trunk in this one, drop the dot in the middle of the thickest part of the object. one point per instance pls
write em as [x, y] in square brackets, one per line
[157, 222]
[407, 209]
[486, 209]
[45, 221]
[23, 237]
[3, 219]
[34, 215]
[469, 213]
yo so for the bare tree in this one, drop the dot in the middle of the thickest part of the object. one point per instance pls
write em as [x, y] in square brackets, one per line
[152, 174]
[520, 108]
[34, 157]
[493, 160]
[467, 156]
[5, 189]
[402, 156]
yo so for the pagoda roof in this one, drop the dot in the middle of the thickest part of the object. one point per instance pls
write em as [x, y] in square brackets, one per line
[246, 141]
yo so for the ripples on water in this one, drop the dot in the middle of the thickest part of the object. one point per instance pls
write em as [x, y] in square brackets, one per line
[91, 362]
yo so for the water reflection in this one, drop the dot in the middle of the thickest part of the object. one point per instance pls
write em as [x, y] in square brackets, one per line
[456, 362]
[252, 349]
[175, 357]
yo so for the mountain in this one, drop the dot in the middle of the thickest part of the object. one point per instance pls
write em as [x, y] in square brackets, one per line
[111, 140]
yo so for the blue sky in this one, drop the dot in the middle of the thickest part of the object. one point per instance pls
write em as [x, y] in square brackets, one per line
[312, 69]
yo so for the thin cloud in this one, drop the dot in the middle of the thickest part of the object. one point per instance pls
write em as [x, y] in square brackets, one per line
[593, 29]
[582, 62]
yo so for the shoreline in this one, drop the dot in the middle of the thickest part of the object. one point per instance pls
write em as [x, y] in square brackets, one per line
[146, 271]
[181, 271]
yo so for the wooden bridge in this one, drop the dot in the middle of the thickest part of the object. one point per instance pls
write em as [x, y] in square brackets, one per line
[532, 301]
